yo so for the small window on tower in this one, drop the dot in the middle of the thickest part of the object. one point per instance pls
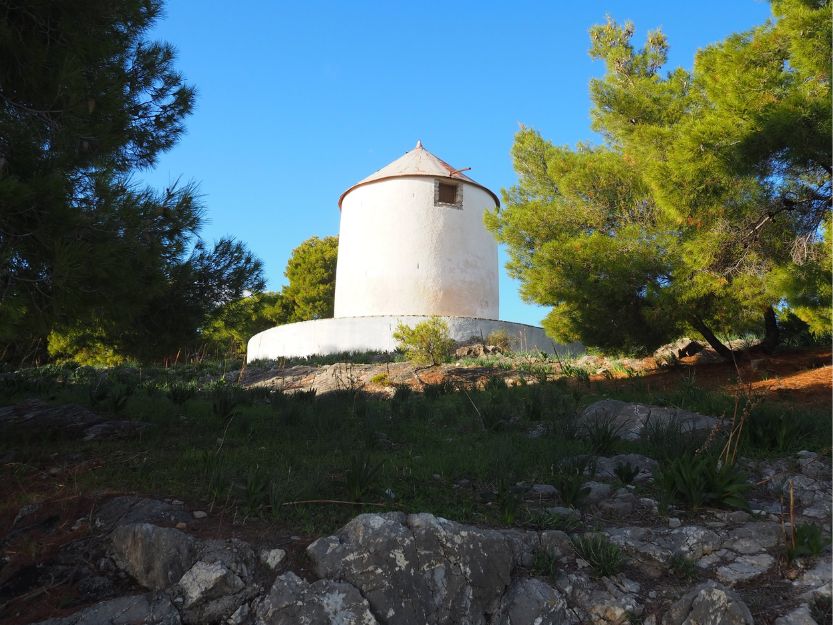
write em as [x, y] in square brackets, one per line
[447, 193]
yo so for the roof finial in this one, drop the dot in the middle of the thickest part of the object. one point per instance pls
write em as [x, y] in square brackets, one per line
[418, 145]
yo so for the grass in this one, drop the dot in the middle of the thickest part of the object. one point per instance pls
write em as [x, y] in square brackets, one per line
[258, 452]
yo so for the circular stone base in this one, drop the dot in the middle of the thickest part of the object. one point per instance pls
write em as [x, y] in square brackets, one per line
[364, 334]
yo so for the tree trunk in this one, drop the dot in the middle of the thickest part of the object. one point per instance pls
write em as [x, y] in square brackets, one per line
[772, 336]
[723, 351]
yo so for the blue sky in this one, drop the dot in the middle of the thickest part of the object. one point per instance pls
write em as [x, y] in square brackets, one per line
[298, 101]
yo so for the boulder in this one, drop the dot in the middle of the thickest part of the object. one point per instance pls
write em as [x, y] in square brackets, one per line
[272, 558]
[152, 609]
[799, 616]
[66, 421]
[744, 568]
[420, 568]
[205, 581]
[606, 466]
[530, 601]
[629, 420]
[293, 601]
[709, 603]
[609, 601]
[128, 509]
[156, 557]
[219, 582]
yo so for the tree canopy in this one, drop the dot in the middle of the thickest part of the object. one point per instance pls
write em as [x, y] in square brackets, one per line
[309, 294]
[311, 272]
[86, 254]
[707, 206]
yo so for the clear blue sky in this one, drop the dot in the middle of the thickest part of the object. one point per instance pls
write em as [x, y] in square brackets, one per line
[297, 101]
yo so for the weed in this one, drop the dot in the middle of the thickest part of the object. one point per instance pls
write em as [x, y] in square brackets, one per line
[382, 379]
[224, 400]
[821, 609]
[544, 520]
[307, 395]
[360, 476]
[682, 567]
[508, 502]
[626, 472]
[602, 434]
[180, 392]
[117, 397]
[501, 340]
[569, 480]
[666, 439]
[777, 432]
[695, 481]
[603, 556]
[544, 563]
[433, 391]
[573, 371]
[807, 540]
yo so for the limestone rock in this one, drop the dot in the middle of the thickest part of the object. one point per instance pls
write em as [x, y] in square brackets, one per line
[630, 419]
[272, 558]
[68, 420]
[530, 601]
[753, 538]
[205, 581]
[293, 601]
[156, 557]
[419, 568]
[709, 603]
[542, 491]
[152, 609]
[744, 568]
[599, 491]
[113, 430]
[604, 602]
[127, 509]
[800, 616]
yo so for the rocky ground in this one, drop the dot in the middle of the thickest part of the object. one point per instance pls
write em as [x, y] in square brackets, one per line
[801, 377]
[127, 559]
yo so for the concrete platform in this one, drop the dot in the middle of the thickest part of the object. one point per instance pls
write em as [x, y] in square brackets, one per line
[362, 334]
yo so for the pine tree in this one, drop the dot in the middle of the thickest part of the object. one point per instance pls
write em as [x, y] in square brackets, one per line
[707, 205]
[86, 100]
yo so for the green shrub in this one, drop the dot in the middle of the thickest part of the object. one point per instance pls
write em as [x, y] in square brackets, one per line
[427, 343]
[695, 481]
[602, 555]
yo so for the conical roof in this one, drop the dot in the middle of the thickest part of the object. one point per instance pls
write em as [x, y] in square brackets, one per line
[417, 162]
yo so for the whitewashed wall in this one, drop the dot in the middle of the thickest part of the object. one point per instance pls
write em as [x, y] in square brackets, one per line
[360, 334]
[399, 254]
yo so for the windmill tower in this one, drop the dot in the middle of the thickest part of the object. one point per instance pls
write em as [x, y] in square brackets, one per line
[412, 242]
[412, 245]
